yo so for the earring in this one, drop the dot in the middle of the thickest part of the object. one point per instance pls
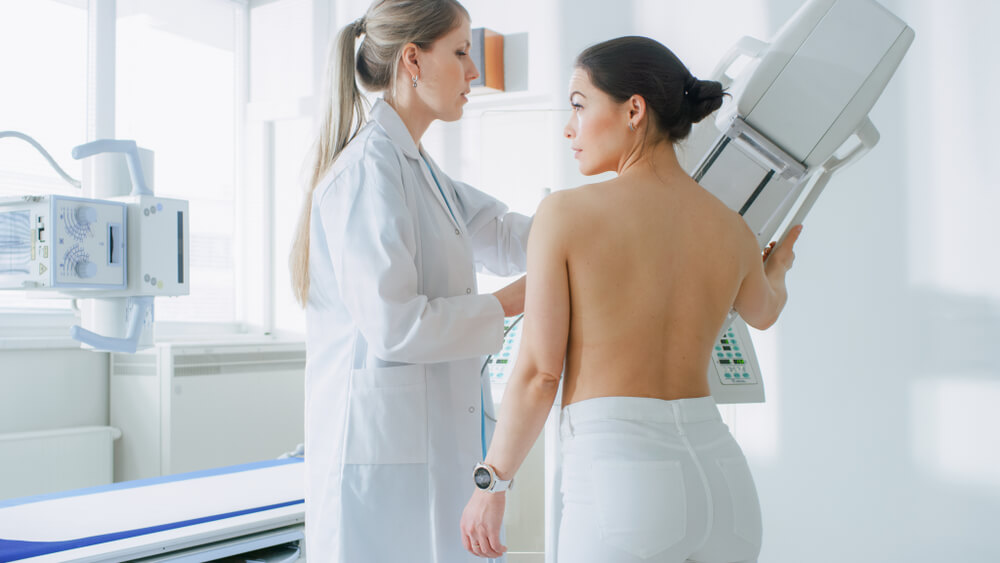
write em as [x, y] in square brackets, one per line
[630, 126]
[414, 81]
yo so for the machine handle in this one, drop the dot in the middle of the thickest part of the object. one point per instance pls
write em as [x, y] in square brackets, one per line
[131, 152]
[868, 136]
[746, 46]
[138, 308]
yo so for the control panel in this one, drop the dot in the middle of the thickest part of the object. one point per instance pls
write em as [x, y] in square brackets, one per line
[62, 242]
[733, 373]
[500, 366]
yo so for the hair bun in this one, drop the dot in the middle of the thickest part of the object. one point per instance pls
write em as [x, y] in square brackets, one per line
[703, 97]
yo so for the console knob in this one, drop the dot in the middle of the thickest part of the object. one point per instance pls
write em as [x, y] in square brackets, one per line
[85, 216]
[86, 269]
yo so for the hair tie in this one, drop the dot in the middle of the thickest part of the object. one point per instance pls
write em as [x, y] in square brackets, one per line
[359, 26]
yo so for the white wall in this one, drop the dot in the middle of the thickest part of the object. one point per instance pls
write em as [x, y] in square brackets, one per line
[884, 449]
[876, 442]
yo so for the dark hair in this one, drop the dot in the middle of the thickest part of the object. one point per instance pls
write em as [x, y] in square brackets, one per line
[627, 66]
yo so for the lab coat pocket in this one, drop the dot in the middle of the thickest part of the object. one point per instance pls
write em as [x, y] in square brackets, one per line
[387, 418]
[743, 494]
[641, 505]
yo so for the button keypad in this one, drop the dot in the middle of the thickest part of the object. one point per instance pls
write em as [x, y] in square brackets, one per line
[730, 362]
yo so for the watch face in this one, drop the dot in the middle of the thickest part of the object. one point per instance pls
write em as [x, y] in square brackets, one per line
[482, 476]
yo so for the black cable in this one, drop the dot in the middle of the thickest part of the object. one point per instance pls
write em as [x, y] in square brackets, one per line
[490, 357]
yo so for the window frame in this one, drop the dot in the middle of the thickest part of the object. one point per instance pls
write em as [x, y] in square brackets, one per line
[30, 328]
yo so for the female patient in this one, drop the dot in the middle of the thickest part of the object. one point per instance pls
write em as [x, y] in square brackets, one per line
[630, 281]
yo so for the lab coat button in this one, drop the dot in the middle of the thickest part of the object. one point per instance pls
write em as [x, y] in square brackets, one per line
[458, 232]
[468, 290]
[472, 410]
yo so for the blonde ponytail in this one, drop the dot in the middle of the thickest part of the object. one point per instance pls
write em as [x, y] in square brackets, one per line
[333, 137]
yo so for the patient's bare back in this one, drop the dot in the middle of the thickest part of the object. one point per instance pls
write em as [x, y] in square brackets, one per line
[652, 275]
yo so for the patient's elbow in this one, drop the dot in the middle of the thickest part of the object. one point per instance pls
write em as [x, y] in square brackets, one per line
[762, 321]
[545, 382]
[762, 325]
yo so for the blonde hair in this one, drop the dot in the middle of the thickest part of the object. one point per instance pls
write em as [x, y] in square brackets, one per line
[388, 26]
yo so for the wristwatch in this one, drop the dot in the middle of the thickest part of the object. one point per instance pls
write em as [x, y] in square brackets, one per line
[486, 479]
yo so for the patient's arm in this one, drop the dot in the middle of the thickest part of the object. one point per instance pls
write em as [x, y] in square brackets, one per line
[535, 380]
[762, 294]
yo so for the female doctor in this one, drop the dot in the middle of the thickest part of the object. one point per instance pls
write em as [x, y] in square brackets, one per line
[384, 263]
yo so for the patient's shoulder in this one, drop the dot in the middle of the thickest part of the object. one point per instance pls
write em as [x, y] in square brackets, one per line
[558, 217]
[579, 200]
[566, 207]
[552, 210]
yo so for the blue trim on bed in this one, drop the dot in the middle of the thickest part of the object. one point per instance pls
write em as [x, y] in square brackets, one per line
[12, 550]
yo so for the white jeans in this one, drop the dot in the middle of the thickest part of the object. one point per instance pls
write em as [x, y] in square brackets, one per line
[654, 481]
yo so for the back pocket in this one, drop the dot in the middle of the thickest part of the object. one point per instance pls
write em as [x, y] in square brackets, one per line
[641, 505]
[387, 418]
[746, 506]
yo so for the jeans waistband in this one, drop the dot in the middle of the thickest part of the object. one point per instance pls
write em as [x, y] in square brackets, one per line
[642, 409]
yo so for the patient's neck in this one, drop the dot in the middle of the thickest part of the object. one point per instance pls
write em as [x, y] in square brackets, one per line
[659, 161]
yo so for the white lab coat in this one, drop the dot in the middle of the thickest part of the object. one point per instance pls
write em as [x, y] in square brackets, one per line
[396, 337]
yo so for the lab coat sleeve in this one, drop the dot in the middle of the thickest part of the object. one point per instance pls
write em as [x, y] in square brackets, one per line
[372, 239]
[499, 238]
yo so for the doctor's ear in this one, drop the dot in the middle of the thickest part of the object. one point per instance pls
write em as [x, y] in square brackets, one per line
[409, 62]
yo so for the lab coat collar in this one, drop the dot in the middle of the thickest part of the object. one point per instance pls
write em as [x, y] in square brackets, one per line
[387, 118]
[383, 114]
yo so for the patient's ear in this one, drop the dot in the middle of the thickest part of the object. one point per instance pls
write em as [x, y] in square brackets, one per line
[636, 108]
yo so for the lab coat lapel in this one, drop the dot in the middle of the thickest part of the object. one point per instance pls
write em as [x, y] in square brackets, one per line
[383, 114]
[441, 195]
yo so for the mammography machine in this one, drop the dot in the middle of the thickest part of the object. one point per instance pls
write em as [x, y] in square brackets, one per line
[799, 100]
[117, 250]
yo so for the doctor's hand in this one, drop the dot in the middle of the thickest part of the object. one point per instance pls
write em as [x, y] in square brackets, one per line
[481, 523]
[512, 297]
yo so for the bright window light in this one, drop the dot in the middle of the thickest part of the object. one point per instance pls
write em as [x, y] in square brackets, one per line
[175, 95]
[44, 70]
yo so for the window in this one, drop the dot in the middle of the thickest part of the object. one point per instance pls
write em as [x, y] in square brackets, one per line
[44, 46]
[176, 94]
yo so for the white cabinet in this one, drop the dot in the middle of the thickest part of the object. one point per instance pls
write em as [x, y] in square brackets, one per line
[187, 407]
